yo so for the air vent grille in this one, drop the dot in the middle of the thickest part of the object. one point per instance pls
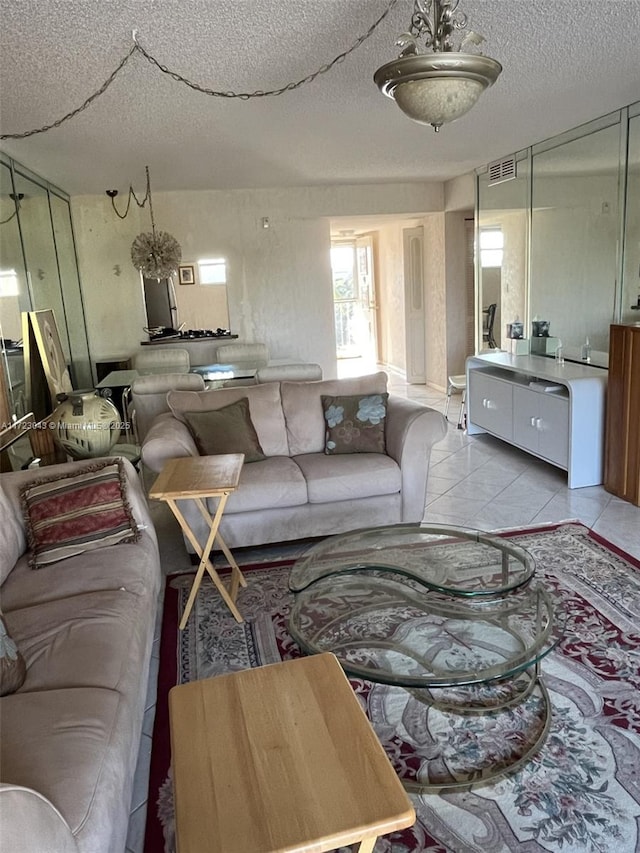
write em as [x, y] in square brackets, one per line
[502, 170]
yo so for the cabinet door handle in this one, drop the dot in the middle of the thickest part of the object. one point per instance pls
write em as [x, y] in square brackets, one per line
[538, 423]
[491, 404]
[533, 422]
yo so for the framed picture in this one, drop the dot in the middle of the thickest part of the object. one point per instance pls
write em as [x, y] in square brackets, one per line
[43, 331]
[187, 274]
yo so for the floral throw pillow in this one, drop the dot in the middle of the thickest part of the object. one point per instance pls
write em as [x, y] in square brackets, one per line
[12, 666]
[355, 424]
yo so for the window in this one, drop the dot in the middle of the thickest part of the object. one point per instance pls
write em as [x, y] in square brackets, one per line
[491, 247]
[212, 271]
[8, 283]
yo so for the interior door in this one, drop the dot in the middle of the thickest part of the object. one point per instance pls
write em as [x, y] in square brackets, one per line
[415, 327]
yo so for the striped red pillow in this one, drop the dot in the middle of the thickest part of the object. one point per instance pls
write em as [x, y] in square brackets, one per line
[77, 512]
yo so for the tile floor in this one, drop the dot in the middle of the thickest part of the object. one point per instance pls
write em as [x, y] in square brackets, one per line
[476, 481]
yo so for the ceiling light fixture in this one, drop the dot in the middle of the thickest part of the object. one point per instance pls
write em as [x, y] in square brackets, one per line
[438, 87]
[157, 254]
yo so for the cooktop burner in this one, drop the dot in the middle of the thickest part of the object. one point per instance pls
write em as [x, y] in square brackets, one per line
[204, 333]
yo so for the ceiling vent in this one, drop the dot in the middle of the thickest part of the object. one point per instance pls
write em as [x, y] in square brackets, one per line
[502, 170]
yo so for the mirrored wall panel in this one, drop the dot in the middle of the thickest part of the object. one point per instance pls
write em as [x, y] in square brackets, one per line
[631, 267]
[574, 233]
[501, 254]
[558, 245]
[38, 270]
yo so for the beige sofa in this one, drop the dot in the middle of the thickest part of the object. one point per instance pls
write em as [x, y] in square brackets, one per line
[298, 491]
[70, 734]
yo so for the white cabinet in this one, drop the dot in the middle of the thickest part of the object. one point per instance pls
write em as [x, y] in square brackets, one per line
[555, 411]
[492, 404]
[541, 424]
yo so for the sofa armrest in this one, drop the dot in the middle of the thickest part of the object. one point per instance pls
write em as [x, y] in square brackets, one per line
[411, 431]
[30, 822]
[168, 438]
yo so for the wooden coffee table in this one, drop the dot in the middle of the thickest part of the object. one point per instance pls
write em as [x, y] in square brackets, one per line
[279, 759]
[198, 478]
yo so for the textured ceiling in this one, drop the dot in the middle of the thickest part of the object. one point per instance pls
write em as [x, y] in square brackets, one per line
[565, 62]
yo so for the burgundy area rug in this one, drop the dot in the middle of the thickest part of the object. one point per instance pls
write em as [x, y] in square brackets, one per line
[579, 794]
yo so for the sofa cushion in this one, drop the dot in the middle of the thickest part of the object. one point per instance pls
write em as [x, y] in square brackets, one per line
[265, 407]
[116, 567]
[355, 423]
[275, 482]
[302, 407]
[77, 512]
[58, 743]
[12, 665]
[59, 638]
[349, 476]
[226, 430]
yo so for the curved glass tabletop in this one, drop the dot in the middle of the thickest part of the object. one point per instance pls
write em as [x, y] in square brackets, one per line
[453, 560]
[428, 607]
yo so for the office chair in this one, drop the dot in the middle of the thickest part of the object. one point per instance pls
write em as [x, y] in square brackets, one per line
[488, 319]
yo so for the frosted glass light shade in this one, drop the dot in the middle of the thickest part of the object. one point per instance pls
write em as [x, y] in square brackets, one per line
[437, 101]
[439, 87]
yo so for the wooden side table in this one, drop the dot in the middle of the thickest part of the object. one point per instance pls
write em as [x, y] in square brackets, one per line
[280, 759]
[198, 478]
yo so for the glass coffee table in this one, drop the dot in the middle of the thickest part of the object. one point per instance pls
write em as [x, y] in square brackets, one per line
[455, 616]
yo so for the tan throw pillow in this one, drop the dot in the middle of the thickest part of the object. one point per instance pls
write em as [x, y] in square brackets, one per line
[355, 424]
[77, 512]
[226, 430]
[12, 666]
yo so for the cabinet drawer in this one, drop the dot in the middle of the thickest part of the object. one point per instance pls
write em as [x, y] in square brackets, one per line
[491, 404]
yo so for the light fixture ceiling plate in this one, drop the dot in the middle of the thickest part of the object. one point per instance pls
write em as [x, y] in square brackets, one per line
[406, 69]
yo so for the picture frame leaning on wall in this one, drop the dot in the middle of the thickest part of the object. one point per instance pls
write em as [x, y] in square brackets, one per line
[40, 327]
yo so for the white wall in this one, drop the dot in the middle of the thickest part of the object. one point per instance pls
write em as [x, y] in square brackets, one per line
[279, 279]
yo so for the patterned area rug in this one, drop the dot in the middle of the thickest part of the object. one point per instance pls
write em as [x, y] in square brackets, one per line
[579, 794]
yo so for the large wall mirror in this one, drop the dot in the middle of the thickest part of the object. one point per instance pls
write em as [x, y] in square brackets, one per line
[38, 271]
[501, 257]
[574, 234]
[564, 237]
[631, 266]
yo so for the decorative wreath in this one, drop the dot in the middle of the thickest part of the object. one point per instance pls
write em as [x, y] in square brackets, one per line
[156, 254]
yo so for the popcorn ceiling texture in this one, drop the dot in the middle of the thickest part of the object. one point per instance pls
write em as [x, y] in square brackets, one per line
[565, 62]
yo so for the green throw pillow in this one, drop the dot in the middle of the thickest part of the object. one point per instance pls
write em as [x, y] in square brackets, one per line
[355, 424]
[226, 430]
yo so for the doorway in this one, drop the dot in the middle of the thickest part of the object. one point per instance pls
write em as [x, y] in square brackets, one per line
[354, 303]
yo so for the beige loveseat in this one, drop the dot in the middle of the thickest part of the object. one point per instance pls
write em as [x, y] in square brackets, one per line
[298, 491]
[70, 734]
